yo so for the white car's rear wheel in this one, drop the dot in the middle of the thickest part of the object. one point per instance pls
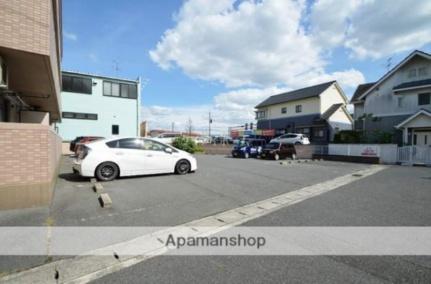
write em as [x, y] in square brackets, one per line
[182, 167]
[107, 171]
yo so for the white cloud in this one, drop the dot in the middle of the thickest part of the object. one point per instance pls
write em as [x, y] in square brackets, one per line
[372, 28]
[242, 43]
[256, 45]
[70, 36]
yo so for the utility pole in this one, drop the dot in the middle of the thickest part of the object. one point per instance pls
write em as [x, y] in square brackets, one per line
[173, 126]
[210, 120]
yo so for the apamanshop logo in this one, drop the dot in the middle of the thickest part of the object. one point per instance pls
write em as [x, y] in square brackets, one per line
[215, 241]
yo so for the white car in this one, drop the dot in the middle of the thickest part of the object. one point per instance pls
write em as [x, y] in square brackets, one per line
[167, 138]
[292, 138]
[202, 140]
[111, 158]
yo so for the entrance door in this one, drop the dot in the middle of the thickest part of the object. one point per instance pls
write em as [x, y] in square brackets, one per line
[422, 138]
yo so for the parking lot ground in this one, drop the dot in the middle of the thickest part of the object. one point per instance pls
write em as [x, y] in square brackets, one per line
[397, 196]
[393, 197]
[219, 184]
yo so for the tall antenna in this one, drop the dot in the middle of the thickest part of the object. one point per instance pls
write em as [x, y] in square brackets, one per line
[388, 63]
[116, 67]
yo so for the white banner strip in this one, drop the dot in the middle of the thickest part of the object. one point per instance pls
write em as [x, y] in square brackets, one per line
[215, 240]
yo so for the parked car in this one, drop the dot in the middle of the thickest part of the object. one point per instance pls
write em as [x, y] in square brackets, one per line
[202, 140]
[247, 148]
[111, 158]
[277, 151]
[222, 140]
[292, 138]
[73, 147]
[167, 138]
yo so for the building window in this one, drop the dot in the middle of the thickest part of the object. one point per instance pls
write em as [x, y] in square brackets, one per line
[75, 84]
[412, 73]
[283, 110]
[305, 131]
[424, 99]
[79, 115]
[422, 71]
[318, 132]
[123, 90]
[260, 114]
[298, 108]
[115, 129]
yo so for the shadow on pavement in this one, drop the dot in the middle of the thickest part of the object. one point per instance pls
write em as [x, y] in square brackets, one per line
[73, 177]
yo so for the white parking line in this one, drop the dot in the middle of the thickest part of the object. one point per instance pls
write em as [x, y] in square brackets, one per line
[85, 268]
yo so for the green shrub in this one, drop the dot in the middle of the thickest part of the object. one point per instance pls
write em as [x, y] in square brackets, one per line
[379, 136]
[348, 136]
[352, 136]
[187, 144]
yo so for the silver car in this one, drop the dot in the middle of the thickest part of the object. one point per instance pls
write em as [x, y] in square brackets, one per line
[292, 138]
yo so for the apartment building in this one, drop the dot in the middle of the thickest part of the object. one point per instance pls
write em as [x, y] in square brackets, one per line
[30, 54]
[317, 111]
[399, 103]
[94, 105]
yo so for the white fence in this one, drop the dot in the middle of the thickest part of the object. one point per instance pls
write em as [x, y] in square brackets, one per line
[414, 155]
[387, 153]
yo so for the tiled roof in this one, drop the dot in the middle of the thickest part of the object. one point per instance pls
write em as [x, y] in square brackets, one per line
[299, 94]
[413, 84]
[360, 90]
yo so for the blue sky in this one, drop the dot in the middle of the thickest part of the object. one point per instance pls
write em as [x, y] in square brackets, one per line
[124, 32]
[225, 56]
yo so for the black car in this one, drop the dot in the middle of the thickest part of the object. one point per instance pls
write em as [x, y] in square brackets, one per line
[277, 150]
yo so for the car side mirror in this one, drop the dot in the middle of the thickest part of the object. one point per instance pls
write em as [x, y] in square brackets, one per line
[168, 150]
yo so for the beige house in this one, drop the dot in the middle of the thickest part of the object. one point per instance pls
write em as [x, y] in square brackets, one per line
[30, 53]
[399, 102]
[318, 111]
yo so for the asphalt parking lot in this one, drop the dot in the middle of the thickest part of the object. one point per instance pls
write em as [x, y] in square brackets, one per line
[395, 196]
[220, 183]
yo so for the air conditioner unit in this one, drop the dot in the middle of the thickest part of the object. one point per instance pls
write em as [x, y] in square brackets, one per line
[3, 74]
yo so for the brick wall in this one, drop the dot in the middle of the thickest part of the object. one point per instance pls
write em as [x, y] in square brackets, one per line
[26, 22]
[29, 161]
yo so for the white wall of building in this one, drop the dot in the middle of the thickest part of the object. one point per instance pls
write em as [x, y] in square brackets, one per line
[383, 102]
[309, 106]
[329, 97]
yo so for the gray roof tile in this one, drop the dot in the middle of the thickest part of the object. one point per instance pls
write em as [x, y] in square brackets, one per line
[308, 92]
[413, 84]
[360, 90]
